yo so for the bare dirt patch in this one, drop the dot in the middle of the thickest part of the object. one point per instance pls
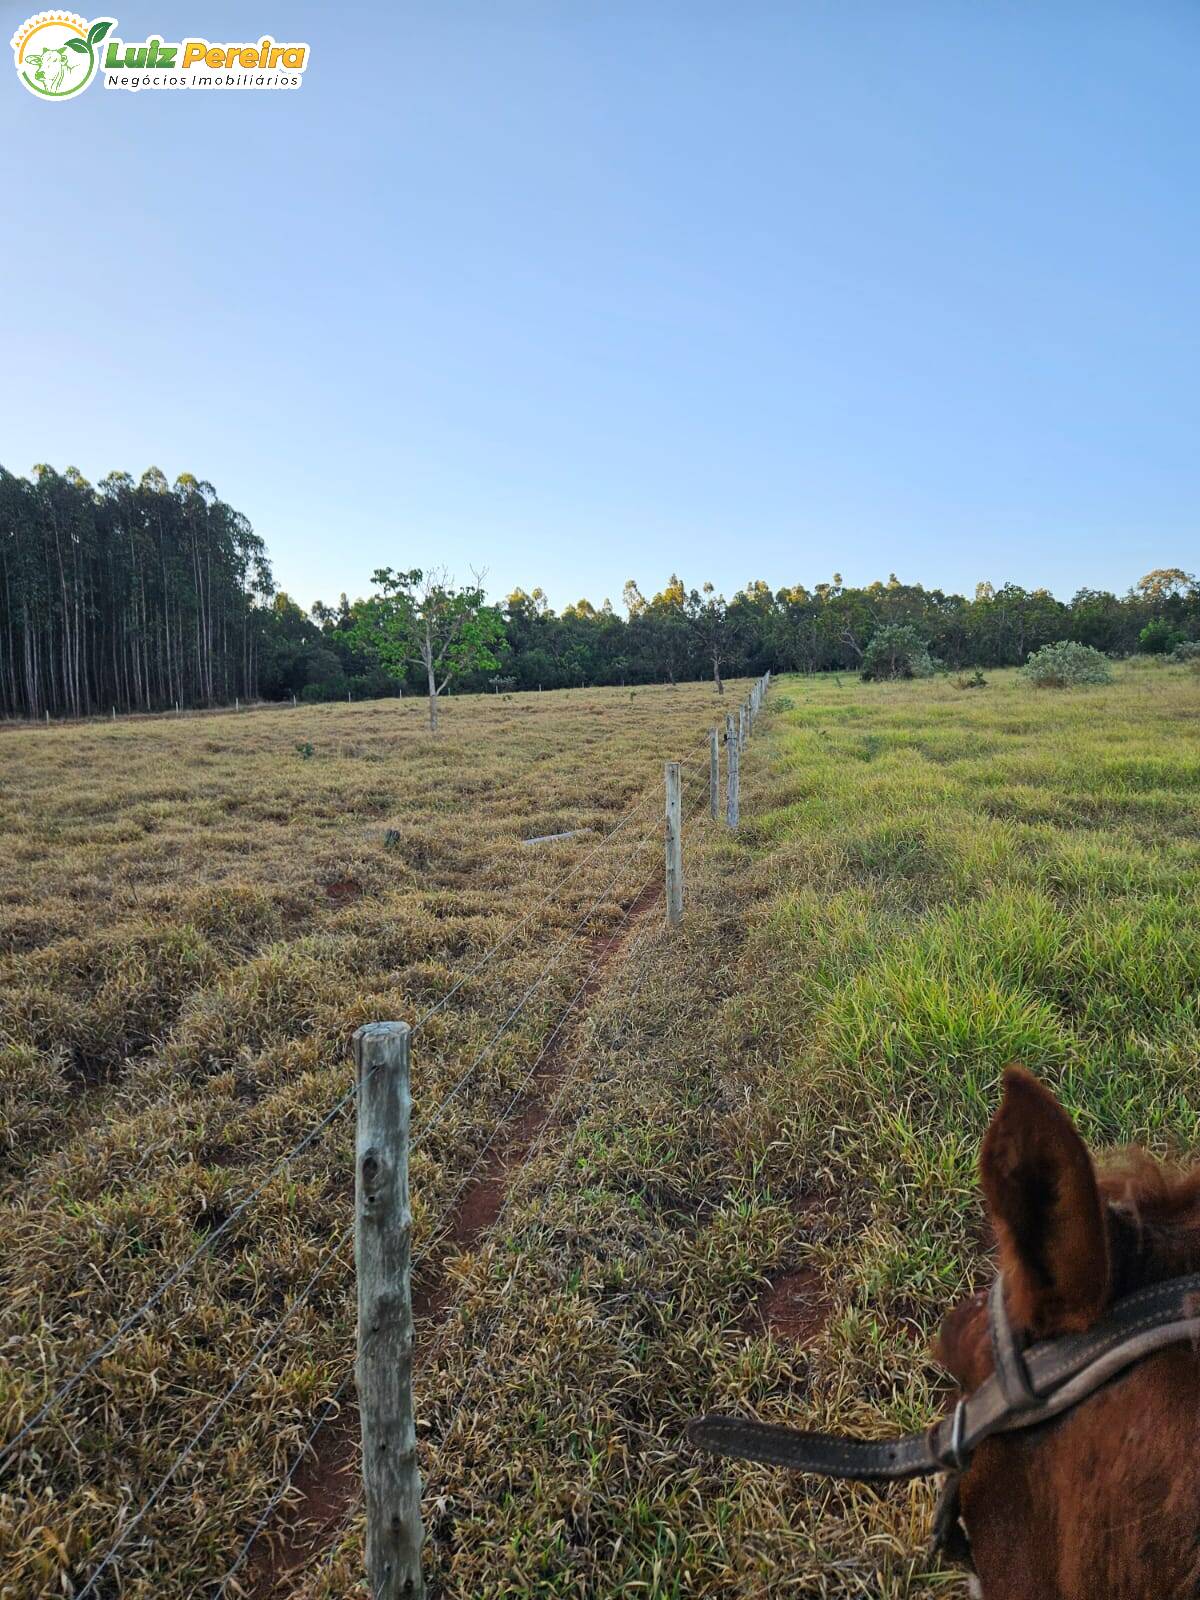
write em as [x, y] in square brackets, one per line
[794, 1307]
[343, 889]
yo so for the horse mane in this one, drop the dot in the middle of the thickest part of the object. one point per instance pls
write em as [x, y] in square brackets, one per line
[1158, 1191]
[1154, 1212]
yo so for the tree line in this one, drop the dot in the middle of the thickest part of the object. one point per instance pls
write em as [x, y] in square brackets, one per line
[134, 595]
[143, 595]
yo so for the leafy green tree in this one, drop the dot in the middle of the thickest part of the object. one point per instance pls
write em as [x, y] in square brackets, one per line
[1159, 638]
[424, 619]
[1098, 618]
[658, 629]
[896, 651]
[707, 615]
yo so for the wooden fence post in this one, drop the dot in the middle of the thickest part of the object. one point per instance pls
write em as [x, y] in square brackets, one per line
[382, 1259]
[674, 845]
[743, 730]
[731, 773]
[714, 773]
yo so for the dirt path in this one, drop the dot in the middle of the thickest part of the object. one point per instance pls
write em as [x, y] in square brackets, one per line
[325, 1485]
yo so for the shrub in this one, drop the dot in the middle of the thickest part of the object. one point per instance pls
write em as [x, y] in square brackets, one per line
[975, 681]
[1188, 650]
[1159, 638]
[897, 651]
[1062, 665]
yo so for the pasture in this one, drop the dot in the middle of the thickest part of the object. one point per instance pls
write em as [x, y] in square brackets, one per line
[741, 1176]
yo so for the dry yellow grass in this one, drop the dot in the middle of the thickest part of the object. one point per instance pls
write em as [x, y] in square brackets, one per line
[194, 916]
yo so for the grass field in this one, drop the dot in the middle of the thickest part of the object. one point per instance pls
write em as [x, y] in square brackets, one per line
[755, 1187]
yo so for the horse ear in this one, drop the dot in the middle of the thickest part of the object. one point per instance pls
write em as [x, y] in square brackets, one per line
[1046, 1211]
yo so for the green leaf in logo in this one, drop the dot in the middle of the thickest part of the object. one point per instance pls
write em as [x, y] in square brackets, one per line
[97, 31]
[77, 44]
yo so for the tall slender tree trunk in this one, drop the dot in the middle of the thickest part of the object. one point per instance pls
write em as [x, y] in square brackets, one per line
[431, 675]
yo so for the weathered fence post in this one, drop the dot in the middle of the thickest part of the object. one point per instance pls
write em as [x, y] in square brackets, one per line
[743, 730]
[714, 772]
[731, 773]
[382, 1259]
[674, 844]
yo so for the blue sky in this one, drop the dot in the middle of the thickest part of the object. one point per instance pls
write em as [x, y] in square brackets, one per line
[602, 289]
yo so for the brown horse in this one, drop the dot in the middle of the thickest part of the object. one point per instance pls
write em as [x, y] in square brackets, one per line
[1072, 1454]
[1105, 1501]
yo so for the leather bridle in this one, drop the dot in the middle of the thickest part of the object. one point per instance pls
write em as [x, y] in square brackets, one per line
[1030, 1385]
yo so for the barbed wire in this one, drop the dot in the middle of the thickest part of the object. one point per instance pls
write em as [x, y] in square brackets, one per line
[525, 920]
[215, 1411]
[167, 1284]
[327, 1411]
[500, 1124]
[268, 1342]
[494, 1323]
[68, 1386]
[560, 949]
[335, 1539]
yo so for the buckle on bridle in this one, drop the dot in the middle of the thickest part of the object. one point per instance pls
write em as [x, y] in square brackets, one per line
[956, 1460]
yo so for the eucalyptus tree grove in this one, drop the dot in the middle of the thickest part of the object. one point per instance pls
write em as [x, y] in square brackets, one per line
[134, 595]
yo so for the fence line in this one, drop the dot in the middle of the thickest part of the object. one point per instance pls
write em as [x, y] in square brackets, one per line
[494, 1323]
[562, 944]
[676, 824]
[129, 1322]
[336, 1537]
[500, 1124]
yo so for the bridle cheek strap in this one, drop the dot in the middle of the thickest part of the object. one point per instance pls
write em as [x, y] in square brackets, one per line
[1027, 1388]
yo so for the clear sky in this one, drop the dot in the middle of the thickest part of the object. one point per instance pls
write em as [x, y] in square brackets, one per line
[599, 289]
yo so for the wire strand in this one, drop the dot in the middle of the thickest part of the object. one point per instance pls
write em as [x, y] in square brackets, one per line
[178, 1273]
[525, 920]
[495, 1320]
[130, 1321]
[501, 1123]
[168, 1283]
[215, 1411]
[559, 950]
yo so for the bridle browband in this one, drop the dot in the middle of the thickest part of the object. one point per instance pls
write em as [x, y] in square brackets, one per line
[1029, 1386]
